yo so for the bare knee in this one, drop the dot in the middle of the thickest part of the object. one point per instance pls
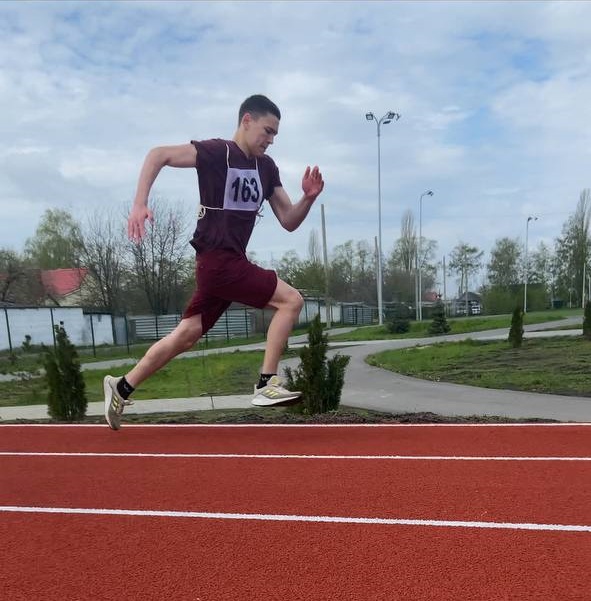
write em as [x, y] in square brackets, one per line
[187, 333]
[287, 299]
[291, 300]
[297, 302]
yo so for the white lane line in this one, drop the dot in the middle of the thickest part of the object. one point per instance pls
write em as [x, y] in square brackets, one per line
[281, 456]
[297, 518]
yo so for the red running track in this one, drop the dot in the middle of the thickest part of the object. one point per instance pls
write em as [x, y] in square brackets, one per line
[209, 557]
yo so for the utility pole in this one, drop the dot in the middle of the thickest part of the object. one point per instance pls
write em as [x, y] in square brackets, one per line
[327, 305]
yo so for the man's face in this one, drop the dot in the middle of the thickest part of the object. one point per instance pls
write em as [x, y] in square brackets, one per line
[260, 132]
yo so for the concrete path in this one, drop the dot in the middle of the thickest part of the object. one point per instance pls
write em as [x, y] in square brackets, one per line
[373, 388]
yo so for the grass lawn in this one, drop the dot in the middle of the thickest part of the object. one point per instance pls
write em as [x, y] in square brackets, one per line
[21, 361]
[548, 365]
[216, 374]
[461, 325]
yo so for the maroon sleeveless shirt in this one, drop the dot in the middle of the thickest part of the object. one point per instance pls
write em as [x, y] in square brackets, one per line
[229, 191]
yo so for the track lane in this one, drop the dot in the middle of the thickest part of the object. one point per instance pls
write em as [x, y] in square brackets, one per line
[533, 492]
[522, 440]
[67, 558]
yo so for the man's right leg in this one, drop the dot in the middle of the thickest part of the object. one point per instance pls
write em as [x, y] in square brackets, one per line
[270, 391]
[181, 339]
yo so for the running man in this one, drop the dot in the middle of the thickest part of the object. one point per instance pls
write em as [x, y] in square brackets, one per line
[235, 177]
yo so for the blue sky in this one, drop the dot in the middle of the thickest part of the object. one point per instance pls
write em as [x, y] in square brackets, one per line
[494, 98]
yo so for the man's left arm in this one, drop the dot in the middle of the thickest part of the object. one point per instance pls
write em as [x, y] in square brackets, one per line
[289, 215]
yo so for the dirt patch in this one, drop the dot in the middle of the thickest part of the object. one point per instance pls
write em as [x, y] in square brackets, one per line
[280, 416]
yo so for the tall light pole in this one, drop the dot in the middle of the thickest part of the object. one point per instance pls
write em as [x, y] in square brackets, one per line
[387, 118]
[530, 218]
[419, 298]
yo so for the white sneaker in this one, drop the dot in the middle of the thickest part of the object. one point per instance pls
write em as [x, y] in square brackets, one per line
[114, 403]
[274, 394]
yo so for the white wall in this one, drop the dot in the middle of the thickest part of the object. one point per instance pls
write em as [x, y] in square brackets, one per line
[37, 323]
[312, 307]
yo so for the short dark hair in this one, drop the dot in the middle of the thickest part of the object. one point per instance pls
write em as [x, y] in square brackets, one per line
[258, 105]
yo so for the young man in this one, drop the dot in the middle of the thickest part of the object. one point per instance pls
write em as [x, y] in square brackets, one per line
[235, 177]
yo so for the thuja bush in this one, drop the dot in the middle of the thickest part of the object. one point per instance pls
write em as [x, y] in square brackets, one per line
[319, 379]
[516, 331]
[439, 325]
[398, 321]
[587, 321]
[66, 399]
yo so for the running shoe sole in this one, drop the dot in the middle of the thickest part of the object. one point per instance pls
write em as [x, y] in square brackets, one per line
[110, 414]
[281, 402]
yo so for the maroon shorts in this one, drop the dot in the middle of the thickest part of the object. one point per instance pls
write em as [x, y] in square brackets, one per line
[224, 277]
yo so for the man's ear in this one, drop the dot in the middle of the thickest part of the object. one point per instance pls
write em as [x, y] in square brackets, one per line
[246, 120]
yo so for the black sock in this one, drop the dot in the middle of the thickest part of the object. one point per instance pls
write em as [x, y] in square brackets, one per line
[264, 379]
[124, 388]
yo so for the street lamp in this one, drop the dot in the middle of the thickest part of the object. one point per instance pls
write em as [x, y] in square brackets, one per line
[530, 218]
[419, 301]
[387, 118]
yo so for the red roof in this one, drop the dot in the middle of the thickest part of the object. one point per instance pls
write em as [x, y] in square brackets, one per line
[61, 282]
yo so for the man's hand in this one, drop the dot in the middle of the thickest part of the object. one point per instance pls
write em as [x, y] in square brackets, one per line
[136, 228]
[312, 183]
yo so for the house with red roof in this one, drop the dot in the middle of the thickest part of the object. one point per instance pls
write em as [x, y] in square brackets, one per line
[46, 287]
[64, 287]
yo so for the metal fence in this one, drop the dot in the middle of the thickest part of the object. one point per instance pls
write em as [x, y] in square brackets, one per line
[234, 323]
[26, 327]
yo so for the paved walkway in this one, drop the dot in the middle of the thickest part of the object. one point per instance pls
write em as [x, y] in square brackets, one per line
[373, 388]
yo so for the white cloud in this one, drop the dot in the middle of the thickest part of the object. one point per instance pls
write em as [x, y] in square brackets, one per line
[493, 98]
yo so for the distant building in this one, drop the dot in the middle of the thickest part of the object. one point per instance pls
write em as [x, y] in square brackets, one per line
[474, 304]
[64, 287]
[46, 287]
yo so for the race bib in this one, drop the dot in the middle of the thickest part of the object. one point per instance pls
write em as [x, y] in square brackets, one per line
[244, 191]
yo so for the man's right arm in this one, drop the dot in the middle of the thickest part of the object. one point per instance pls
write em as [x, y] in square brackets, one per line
[183, 155]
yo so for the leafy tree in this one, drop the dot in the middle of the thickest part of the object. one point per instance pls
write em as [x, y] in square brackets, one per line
[289, 268]
[439, 325]
[465, 260]
[498, 299]
[19, 283]
[304, 274]
[503, 269]
[516, 330]
[313, 274]
[12, 271]
[405, 251]
[343, 271]
[57, 241]
[365, 278]
[353, 272]
[572, 250]
[320, 379]
[66, 399]
[401, 269]
[540, 268]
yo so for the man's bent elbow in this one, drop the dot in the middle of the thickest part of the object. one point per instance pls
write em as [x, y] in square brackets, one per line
[159, 157]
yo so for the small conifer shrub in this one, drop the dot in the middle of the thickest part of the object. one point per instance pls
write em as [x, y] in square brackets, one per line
[516, 331]
[320, 380]
[66, 399]
[439, 325]
[399, 320]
